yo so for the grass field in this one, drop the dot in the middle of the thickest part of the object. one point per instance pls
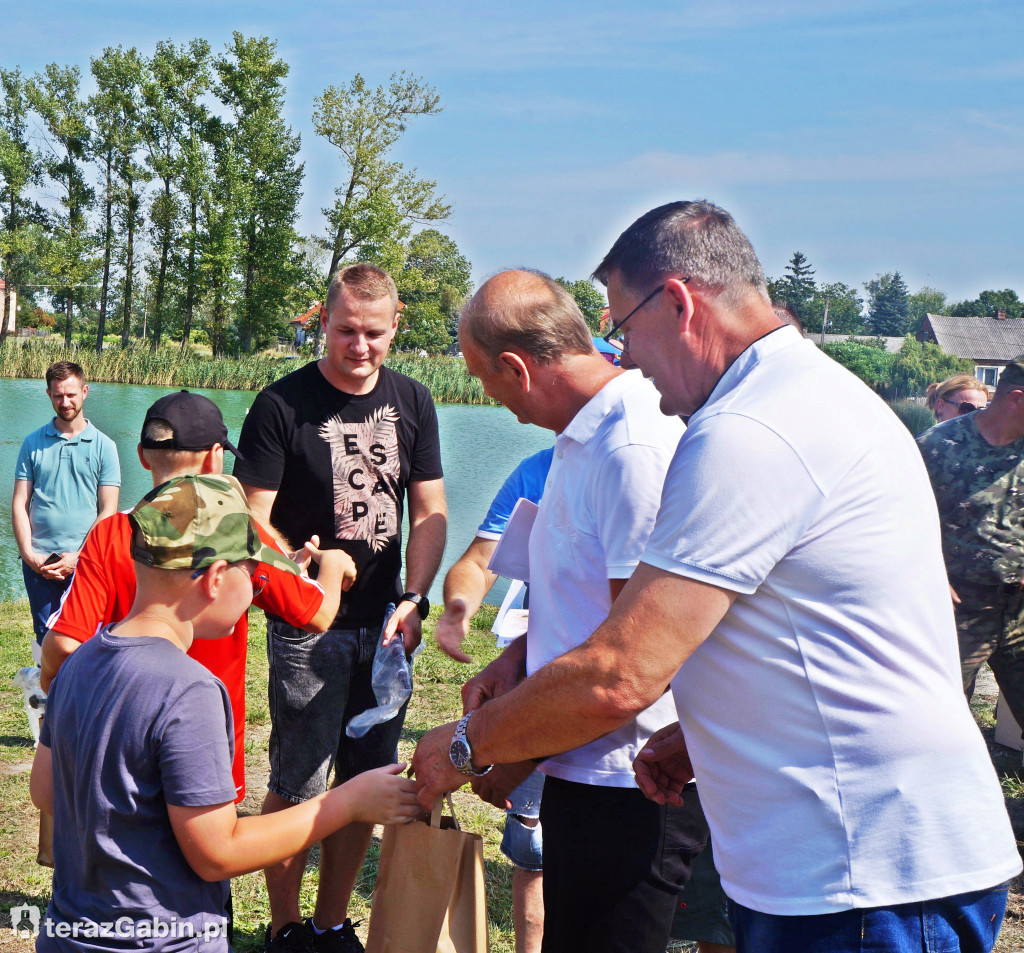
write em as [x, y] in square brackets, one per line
[435, 700]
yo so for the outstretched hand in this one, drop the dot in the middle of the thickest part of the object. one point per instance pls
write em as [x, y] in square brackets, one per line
[452, 628]
[383, 796]
[662, 768]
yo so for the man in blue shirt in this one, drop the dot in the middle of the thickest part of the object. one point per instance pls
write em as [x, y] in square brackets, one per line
[66, 479]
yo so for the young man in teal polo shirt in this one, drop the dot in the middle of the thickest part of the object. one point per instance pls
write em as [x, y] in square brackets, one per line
[67, 477]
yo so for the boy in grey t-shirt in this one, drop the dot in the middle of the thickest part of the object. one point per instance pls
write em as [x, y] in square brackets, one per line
[135, 757]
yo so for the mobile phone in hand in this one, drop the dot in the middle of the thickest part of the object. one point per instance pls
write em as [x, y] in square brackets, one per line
[51, 559]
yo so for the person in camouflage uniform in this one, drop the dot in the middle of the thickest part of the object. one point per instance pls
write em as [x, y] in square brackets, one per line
[976, 465]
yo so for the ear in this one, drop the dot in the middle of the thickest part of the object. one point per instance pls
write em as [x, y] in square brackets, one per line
[518, 366]
[85, 391]
[213, 462]
[211, 580]
[323, 317]
[678, 293]
[142, 459]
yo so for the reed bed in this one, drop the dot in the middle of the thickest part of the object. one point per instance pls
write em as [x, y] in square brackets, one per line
[445, 377]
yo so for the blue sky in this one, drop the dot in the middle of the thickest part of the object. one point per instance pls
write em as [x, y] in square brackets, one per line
[872, 136]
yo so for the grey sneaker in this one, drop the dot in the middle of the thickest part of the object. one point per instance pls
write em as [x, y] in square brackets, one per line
[341, 940]
[291, 938]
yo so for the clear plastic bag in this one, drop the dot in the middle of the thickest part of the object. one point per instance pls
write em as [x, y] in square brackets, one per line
[391, 679]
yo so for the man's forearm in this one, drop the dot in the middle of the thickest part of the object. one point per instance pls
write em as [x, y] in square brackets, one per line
[424, 551]
[22, 527]
[469, 581]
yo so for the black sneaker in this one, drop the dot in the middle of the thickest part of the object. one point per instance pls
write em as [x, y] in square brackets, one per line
[341, 940]
[291, 938]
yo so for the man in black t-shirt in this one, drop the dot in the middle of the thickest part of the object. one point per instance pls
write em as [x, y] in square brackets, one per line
[331, 451]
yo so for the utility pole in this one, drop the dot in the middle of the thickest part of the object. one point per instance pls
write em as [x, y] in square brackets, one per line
[824, 321]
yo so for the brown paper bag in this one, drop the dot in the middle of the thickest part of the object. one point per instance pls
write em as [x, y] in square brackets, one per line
[429, 896]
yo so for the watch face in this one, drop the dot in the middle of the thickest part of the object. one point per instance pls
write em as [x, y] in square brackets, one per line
[459, 753]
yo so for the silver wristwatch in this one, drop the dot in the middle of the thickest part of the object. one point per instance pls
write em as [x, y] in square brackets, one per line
[461, 754]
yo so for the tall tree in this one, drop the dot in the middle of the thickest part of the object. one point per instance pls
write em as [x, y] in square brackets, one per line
[844, 310]
[590, 300]
[888, 305]
[924, 302]
[195, 172]
[379, 200]
[20, 171]
[796, 287]
[251, 86]
[433, 283]
[169, 68]
[68, 256]
[114, 112]
[219, 245]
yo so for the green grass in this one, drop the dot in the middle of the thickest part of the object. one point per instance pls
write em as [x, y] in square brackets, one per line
[436, 700]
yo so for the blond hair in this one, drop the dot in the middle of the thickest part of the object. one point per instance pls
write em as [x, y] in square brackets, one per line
[363, 281]
[942, 389]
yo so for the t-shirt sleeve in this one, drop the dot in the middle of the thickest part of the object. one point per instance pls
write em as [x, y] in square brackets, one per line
[426, 455]
[262, 445]
[23, 469]
[110, 466]
[194, 741]
[96, 596]
[627, 492]
[723, 521]
[295, 599]
[526, 481]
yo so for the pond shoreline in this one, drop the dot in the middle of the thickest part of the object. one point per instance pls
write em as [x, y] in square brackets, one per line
[445, 377]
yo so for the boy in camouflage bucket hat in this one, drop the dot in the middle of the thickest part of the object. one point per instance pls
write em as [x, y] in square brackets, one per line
[191, 522]
[134, 761]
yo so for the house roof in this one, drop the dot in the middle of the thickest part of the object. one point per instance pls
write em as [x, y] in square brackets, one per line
[981, 339]
[892, 344]
[302, 320]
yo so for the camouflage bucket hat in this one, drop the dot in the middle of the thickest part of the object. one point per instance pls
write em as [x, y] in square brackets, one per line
[191, 522]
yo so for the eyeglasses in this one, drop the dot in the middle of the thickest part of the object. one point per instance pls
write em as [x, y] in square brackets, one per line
[963, 406]
[616, 330]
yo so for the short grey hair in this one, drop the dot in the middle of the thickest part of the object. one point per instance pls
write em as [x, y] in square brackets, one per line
[540, 319]
[697, 239]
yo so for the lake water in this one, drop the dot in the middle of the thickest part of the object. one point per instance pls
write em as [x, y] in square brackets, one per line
[480, 446]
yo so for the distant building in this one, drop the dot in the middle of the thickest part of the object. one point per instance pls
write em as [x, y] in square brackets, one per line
[991, 343]
[301, 322]
[892, 344]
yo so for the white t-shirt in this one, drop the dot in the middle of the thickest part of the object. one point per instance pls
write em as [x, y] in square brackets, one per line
[839, 763]
[599, 504]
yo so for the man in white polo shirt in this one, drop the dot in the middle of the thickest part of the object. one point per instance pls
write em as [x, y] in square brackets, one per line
[794, 593]
[613, 861]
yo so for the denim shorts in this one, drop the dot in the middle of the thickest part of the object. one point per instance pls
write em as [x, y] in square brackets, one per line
[523, 843]
[317, 682]
[963, 923]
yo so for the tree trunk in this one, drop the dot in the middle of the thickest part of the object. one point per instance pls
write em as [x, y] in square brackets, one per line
[67, 320]
[5, 317]
[129, 269]
[190, 288]
[158, 297]
[108, 240]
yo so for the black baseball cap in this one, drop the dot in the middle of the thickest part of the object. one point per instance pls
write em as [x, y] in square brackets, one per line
[195, 420]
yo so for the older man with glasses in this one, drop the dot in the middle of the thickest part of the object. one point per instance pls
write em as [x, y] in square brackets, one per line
[793, 594]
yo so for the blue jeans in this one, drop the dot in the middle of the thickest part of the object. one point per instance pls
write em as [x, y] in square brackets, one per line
[44, 597]
[522, 843]
[964, 923]
[317, 682]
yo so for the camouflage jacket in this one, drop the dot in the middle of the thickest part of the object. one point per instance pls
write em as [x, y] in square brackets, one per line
[979, 489]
